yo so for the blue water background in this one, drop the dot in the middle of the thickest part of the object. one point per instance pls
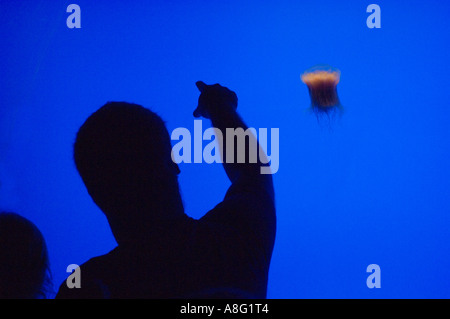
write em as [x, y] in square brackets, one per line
[373, 188]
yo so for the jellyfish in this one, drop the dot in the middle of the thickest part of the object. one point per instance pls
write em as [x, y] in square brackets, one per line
[322, 81]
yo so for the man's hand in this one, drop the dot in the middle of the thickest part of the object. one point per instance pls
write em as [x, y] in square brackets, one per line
[214, 100]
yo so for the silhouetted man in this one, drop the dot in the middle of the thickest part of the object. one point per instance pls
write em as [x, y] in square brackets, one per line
[123, 154]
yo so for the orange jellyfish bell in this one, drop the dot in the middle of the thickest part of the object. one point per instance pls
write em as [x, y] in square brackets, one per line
[322, 83]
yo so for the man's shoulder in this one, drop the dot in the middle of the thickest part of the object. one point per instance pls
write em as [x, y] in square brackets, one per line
[86, 280]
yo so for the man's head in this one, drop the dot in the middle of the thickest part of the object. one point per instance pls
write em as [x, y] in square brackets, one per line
[24, 263]
[123, 154]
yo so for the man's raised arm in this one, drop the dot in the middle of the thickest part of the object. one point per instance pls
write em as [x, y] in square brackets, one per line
[241, 155]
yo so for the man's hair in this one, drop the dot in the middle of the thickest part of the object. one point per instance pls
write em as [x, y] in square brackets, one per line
[121, 151]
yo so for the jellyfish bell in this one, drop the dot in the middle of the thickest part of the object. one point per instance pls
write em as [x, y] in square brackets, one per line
[322, 81]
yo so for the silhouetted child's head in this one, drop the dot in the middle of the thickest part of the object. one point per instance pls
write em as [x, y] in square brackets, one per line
[123, 154]
[24, 265]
